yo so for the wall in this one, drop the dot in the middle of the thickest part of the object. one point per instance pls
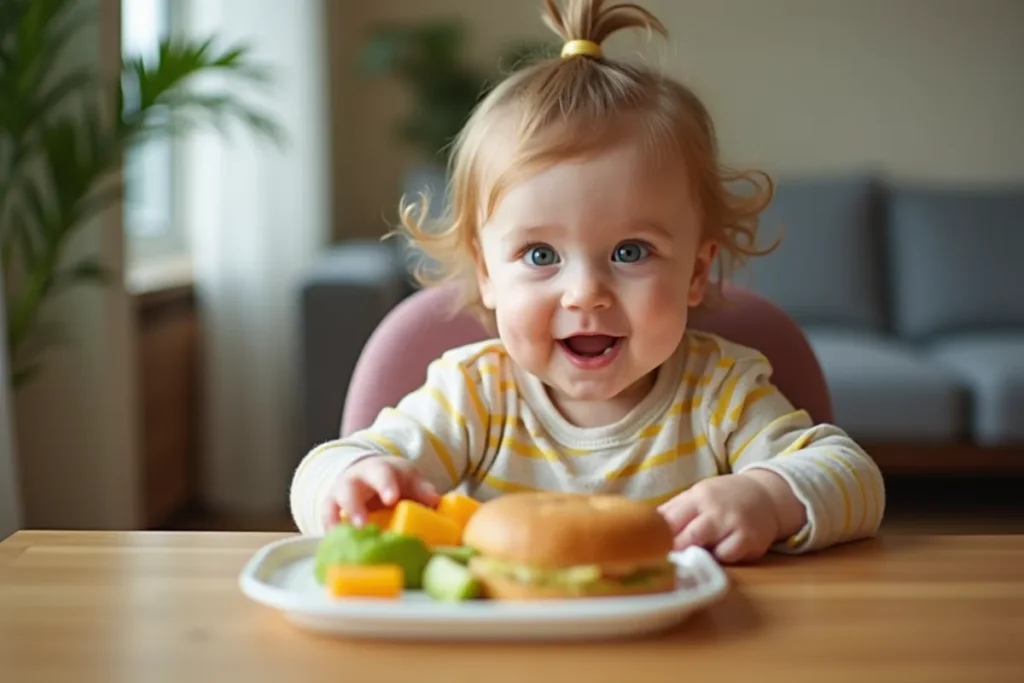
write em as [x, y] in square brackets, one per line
[919, 89]
[76, 423]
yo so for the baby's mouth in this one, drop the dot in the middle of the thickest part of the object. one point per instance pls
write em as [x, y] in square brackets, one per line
[590, 345]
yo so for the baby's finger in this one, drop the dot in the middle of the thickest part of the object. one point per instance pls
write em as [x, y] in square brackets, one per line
[423, 491]
[351, 496]
[384, 481]
[330, 514]
[703, 531]
[679, 512]
[732, 549]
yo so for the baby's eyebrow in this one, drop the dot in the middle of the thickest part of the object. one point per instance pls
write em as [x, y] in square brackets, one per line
[530, 232]
[652, 227]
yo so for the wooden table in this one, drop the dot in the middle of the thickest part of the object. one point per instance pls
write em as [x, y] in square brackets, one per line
[136, 607]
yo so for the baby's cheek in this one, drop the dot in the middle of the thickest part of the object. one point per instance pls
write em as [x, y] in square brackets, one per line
[525, 333]
[664, 301]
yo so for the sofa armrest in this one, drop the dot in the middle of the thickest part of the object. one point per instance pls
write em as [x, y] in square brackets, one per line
[344, 296]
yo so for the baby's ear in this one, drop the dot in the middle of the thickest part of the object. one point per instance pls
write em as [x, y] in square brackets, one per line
[705, 259]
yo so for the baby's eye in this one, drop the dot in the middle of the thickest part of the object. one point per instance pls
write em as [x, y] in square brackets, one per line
[541, 255]
[630, 252]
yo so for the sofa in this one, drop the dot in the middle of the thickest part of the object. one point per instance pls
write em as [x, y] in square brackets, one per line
[912, 298]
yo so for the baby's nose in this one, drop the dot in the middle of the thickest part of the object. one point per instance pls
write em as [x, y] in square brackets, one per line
[586, 291]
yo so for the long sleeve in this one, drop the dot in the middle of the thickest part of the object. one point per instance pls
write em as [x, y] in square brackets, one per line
[752, 425]
[442, 427]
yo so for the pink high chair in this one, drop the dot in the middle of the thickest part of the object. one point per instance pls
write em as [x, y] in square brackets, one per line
[419, 329]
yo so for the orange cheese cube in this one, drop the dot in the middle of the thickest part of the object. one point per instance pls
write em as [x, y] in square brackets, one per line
[430, 526]
[365, 581]
[381, 518]
[458, 508]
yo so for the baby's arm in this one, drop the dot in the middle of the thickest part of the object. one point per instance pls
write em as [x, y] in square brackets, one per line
[757, 432]
[442, 427]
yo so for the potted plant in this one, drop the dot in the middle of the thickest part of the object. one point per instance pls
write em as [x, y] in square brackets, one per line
[63, 136]
[428, 59]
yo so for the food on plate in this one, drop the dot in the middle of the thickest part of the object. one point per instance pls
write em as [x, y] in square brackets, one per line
[365, 581]
[348, 545]
[460, 553]
[379, 518]
[448, 580]
[458, 507]
[434, 529]
[557, 545]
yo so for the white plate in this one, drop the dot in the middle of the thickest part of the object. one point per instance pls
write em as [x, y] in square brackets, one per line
[280, 575]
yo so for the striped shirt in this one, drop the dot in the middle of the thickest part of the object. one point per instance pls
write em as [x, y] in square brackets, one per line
[482, 425]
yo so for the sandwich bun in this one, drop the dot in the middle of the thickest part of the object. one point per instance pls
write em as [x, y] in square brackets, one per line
[563, 545]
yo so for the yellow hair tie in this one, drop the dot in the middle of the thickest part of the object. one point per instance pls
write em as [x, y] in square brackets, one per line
[581, 47]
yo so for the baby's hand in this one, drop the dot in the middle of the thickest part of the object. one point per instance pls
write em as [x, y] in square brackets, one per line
[733, 515]
[373, 483]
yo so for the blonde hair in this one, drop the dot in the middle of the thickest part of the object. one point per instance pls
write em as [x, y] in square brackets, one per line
[564, 108]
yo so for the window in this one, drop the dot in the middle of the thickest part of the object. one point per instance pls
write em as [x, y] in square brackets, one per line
[152, 229]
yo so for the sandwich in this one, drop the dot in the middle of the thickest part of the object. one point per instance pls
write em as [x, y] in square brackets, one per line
[542, 545]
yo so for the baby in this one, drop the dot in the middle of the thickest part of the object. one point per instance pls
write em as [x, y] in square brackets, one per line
[587, 209]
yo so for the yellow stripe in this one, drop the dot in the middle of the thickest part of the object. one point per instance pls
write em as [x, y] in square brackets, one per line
[799, 538]
[384, 441]
[739, 451]
[443, 455]
[481, 412]
[322, 448]
[692, 380]
[686, 406]
[682, 450]
[520, 448]
[496, 349]
[487, 369]
[507, 486]
[649, 431]
[750, 399]
[800, 442]
[725, 401]
[847, 508]
[447, 407]
[860, 485]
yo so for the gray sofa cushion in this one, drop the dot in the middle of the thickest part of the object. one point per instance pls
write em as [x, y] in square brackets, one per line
[827, 268]
[956, 260]
[883, 391]
[992, 365]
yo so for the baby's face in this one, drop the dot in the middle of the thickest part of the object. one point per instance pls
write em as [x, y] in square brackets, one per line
[590, 268]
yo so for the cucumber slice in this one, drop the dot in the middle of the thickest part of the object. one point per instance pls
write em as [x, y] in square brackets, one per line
[459, 553]
[448, 580]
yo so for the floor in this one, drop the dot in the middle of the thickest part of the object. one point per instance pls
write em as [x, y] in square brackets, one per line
[915, 505]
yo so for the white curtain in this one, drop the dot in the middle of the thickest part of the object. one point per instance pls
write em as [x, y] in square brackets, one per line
[258, 213]
[10, 504]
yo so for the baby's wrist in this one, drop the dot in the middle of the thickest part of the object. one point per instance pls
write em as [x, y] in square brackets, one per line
[790, 513]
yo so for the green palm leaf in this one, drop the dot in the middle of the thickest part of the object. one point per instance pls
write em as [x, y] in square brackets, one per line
[64, 134]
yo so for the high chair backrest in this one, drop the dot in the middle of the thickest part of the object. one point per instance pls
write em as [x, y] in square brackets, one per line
[418, 330]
